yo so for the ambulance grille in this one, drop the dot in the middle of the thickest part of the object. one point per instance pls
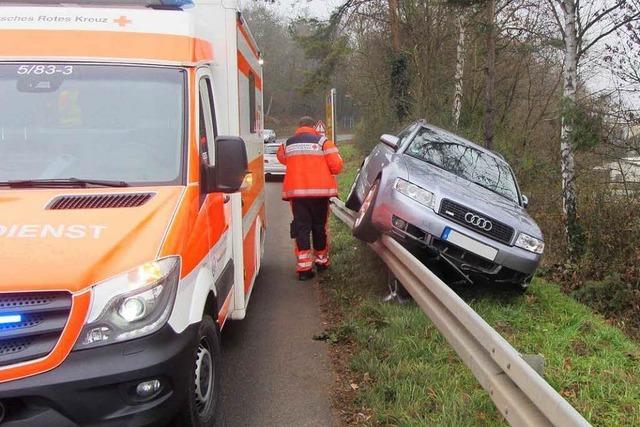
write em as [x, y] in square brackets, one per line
[99, 201]
[43, 316]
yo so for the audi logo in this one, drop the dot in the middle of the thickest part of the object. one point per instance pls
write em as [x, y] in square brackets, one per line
[478, 221]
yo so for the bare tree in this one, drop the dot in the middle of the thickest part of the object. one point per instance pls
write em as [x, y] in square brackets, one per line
[394, 26]
[461, 54]
[490, 73]
[582, 25]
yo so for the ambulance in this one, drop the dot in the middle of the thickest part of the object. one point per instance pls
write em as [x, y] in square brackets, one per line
[132, 217]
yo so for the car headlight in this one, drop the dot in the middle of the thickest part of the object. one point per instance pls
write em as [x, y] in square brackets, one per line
[418, 194]
[529, 243]
[131, 305]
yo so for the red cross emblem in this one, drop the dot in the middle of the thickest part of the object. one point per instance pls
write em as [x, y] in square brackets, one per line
[122, 21]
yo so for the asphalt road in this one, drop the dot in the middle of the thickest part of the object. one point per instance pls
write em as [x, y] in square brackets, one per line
[275, 374]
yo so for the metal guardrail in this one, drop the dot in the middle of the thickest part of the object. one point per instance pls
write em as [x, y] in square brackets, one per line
[521, 395]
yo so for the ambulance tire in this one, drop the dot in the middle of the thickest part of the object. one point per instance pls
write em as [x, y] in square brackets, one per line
[203, 404]
[353, 203]
[363, 227]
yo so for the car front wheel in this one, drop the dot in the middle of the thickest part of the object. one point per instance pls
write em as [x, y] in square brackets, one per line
[203, 399]
[363, 227]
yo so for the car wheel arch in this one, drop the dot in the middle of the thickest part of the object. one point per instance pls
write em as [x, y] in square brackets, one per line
[211, 306]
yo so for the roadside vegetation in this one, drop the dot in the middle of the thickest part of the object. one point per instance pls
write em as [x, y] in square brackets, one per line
[394, 368]
[509, 75]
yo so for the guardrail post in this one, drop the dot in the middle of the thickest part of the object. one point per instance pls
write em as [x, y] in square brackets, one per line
[397, 292]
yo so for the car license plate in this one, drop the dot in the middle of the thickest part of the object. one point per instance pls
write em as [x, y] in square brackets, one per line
[469, 244]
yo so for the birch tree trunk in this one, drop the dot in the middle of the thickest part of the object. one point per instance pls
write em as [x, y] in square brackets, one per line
[461, 54]
[569, 209]
[490, 73]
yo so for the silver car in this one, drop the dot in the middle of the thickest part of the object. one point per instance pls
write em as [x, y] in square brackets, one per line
[460, 201]
[272, 165]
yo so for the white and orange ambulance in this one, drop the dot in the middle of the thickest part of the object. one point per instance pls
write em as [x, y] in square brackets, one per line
[131, 206]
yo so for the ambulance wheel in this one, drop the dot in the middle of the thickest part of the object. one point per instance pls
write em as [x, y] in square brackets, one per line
[353, 202]
[363, 227]
[203, 401]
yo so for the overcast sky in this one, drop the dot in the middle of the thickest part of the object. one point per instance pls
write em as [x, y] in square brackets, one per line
[316, 8]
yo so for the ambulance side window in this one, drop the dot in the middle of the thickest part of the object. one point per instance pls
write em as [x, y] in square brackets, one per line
[208, 128]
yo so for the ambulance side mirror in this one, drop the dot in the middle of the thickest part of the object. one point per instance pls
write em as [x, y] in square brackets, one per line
[231, 166]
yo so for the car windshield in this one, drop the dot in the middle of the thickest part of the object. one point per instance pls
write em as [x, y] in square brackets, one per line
[97, 122]
[448, 153]
[271, 149]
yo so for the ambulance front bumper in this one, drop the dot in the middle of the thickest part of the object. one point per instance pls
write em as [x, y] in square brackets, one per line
[98, 386]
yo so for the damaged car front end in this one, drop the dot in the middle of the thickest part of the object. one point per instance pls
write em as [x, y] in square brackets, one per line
[461, 202]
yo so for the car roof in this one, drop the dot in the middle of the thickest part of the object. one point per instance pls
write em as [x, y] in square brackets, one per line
[459, 139]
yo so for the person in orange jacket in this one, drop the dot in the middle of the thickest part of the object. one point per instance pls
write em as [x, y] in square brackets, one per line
[312, 162]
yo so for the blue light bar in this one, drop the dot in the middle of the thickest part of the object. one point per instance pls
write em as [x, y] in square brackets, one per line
[177, 3]
[148, 3]
[10, 318]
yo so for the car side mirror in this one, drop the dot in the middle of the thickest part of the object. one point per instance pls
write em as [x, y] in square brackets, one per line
[390, 140]
[525, 201]
[231, 166]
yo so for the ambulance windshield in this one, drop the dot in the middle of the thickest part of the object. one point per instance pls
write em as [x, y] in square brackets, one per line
[97, 122]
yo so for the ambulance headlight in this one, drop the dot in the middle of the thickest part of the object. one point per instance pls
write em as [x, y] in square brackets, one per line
[131, 305]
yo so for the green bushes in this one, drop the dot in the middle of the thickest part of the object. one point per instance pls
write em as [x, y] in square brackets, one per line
[396, 369]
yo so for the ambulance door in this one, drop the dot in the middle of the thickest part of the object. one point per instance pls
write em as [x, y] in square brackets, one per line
[217, 205]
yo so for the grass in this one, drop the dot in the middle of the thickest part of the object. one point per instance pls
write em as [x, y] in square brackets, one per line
[399, 370]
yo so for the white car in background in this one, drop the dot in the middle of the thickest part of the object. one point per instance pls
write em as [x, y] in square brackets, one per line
[269, 136]
[272, 166]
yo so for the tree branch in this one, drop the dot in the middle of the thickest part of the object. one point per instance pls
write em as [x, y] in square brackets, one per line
[604, 34]
[557, 18]
[598, 16]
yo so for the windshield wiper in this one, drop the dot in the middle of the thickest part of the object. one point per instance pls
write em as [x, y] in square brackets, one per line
[63, 182]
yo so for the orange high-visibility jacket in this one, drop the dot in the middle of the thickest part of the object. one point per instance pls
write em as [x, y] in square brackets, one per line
[312, 163]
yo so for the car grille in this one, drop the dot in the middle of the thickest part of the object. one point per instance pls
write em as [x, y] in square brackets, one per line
[100, 201]
[43, 318]
[457, 213]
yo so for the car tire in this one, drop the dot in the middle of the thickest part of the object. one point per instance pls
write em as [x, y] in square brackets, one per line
[363, 227]
[202, 406]
[353, 202]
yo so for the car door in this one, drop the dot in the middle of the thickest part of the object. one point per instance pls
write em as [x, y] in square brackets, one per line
[216, 206]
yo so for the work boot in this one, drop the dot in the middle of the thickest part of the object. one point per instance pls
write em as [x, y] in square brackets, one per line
[303, 276]
[322, 260]
[321, 267]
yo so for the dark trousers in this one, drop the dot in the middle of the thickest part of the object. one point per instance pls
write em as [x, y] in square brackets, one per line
[310, 219]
